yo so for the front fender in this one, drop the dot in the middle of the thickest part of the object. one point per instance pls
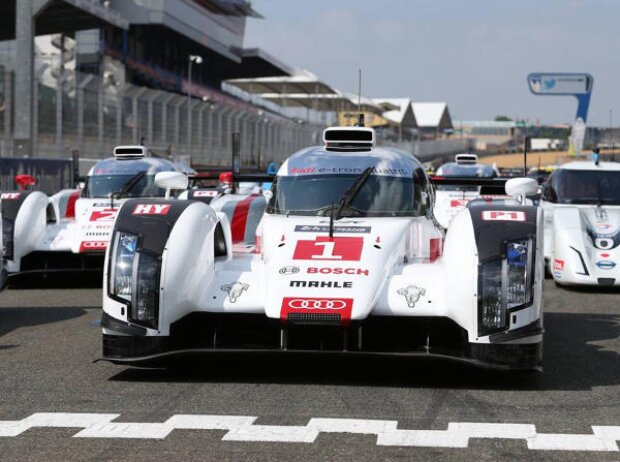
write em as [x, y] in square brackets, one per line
[25, 211]
[181, 233]
[494, 226]
[570, 257]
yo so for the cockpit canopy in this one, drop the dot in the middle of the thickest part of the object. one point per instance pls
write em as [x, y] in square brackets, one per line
[571, 186]
[127, 177]
[460, 170]
[315, 180]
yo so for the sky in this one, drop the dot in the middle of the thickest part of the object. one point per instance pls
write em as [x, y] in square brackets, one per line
[473, 54]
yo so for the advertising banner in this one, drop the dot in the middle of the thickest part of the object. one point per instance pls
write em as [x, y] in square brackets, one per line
[578, 85]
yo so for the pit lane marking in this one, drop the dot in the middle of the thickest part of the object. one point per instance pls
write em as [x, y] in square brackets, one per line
[242, 428]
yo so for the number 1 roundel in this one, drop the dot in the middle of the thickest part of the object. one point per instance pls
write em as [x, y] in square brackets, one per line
[330, 248]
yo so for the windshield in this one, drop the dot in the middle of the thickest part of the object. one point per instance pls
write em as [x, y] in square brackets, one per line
[104, 185]
[379, 196]
[464, 171]
[587, 187]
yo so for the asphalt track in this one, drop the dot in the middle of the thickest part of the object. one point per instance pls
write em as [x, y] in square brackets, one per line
[266, 409]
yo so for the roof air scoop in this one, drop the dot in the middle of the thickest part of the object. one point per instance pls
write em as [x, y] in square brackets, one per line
[349, 138]
[130, 152]
[466, 159]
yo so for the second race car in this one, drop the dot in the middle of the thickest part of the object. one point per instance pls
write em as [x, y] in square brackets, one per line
[452, 198]
[581, 201]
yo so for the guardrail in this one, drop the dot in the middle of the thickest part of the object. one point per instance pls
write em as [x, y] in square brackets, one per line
[51, 175]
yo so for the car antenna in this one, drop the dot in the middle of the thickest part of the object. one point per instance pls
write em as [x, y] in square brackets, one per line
[360, 114]
[525, 143]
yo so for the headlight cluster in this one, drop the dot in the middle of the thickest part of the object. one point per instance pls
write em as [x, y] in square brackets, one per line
[7, 238]
[134, 278]
[505, 283]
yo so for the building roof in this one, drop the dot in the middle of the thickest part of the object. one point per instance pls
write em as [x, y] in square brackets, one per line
[398, 110]
[337, 101]
[262, 64]
[303, 81]
[432, 115]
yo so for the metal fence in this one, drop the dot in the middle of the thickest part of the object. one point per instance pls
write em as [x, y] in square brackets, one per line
[83, 112]
[51, 175]
[91, 115]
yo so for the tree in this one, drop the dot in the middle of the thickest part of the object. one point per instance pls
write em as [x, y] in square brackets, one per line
[502, 118]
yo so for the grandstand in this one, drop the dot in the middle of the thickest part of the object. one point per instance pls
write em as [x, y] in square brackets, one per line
[174, 75]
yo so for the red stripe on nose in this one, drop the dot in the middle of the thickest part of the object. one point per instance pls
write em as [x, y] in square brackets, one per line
[240, 218]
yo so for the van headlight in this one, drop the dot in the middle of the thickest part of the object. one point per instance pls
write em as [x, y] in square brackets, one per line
[505, 284]
[134, 279]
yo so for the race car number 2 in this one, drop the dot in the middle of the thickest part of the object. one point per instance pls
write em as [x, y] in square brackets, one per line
[330, 248]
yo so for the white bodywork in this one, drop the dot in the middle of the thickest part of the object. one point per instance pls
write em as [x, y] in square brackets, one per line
[67, 221]
[371, 267]
[579, 238]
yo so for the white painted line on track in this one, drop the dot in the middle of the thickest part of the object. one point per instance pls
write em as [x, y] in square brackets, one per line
[242, 428]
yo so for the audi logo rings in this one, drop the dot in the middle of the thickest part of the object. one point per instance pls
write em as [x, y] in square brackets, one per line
[317, 304]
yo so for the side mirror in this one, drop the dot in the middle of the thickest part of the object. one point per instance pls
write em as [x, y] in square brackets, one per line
[171, 180]
[520, 188]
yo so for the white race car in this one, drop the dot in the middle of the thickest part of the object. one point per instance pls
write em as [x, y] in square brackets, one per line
[581, 201]
[452, 198]
[70, 230]
[348, 259]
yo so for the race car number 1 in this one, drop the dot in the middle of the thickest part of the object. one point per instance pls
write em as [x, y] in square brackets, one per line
[326, 248]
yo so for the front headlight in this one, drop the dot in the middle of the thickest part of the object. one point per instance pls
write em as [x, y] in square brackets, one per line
[134, 279]
[145, 299]
[122, 267]
[7, 238]
[504, 284]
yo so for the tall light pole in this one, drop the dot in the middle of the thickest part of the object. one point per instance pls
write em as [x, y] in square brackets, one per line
[198, 60]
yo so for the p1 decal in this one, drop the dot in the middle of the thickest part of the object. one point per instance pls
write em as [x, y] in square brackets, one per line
[103, 215]
[558, 265]
[330, 248]
[93, 246]
[9, 196]
[151, 209]
[205, 193]
[341, 306]
[503, 215]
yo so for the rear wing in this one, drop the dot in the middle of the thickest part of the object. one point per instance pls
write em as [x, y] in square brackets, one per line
[487, 185]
